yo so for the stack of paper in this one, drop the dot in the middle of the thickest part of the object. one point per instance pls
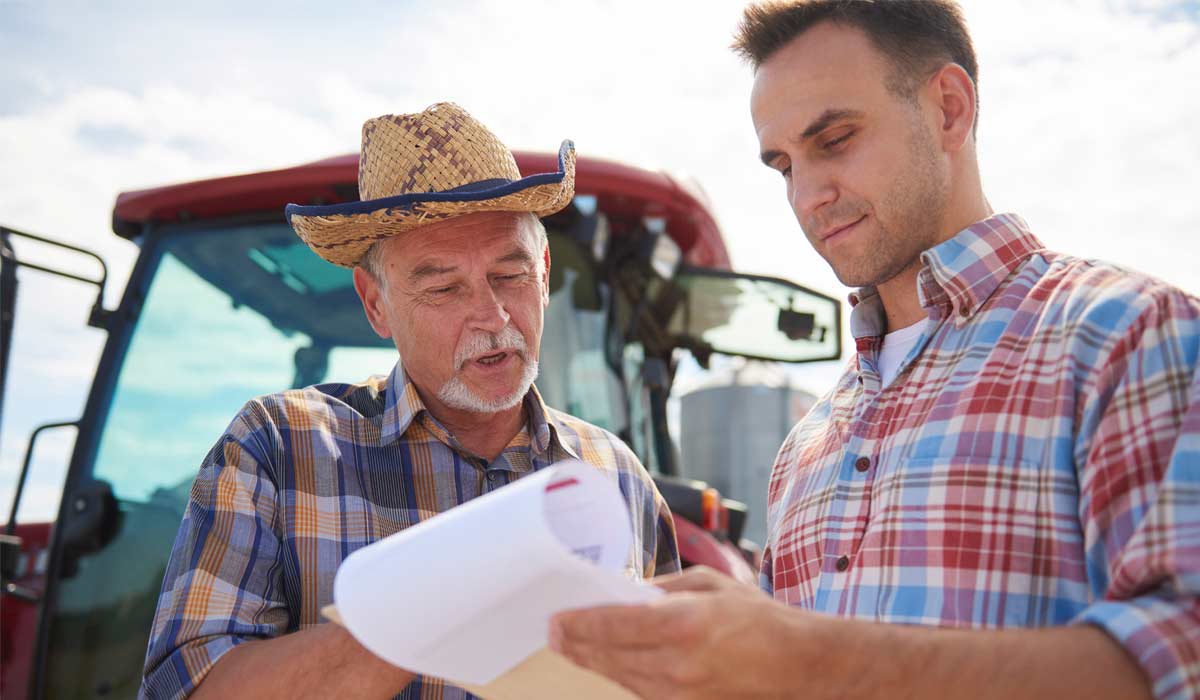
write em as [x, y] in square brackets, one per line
[467, 595]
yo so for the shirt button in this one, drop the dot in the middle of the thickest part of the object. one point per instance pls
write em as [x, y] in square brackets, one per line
[862, 464]
[843, 563]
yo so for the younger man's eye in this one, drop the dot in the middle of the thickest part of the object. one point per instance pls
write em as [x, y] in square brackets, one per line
[839, 140]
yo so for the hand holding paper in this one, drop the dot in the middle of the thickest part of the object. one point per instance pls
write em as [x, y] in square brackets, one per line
[467, 595]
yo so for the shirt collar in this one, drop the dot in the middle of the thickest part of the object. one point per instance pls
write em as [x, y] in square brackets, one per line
[403, 404]
[958, 275]
[546, 430]
[968, 268]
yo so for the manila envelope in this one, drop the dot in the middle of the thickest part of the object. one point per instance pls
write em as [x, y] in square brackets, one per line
[544, 675]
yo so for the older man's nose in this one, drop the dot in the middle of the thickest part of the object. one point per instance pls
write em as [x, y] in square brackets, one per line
[487, 312]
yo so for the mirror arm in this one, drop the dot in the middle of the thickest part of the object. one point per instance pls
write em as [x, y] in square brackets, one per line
[11, 528]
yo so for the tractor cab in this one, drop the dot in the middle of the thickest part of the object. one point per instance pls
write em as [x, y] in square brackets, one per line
[225, 303]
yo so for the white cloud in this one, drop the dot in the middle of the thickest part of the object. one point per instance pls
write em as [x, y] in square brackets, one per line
[1089, 129]
[1088, 122]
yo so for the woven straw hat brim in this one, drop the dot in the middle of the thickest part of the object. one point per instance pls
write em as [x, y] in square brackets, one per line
[342, 233]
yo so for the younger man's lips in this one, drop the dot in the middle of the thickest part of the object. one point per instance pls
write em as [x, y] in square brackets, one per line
[838, 230]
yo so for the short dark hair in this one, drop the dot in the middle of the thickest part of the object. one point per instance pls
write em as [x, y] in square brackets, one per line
[917, 36]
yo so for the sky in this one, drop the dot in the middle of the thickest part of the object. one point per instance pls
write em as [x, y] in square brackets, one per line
[1088, 129]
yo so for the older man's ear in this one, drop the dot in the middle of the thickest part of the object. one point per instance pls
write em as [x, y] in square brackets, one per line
[546, 276]
[371, 296]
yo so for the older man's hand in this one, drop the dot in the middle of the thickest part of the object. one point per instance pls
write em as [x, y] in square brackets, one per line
[710, 637]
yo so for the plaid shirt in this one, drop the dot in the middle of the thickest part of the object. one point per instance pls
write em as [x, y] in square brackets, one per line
[303, 478]
[1036, 462]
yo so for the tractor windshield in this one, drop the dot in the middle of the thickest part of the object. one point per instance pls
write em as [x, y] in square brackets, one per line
[232, 313]
[238, 312]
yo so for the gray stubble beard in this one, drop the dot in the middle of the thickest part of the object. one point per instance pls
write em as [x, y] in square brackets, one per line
[923, 206]
[456, 394]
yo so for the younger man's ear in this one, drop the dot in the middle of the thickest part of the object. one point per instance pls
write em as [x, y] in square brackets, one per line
[954, 93]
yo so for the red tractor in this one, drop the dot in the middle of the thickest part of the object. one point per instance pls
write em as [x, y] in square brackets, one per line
[224, 303]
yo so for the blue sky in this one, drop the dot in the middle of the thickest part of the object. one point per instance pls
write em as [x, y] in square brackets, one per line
[1088, 128]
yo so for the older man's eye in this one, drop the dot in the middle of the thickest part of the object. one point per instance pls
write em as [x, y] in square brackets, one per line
[442, 290]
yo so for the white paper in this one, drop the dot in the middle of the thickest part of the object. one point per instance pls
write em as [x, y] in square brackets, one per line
[467, 595]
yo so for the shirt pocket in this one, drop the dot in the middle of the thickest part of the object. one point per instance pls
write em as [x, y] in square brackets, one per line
[974, 541]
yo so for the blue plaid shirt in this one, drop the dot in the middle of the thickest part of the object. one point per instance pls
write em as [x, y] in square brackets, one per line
[303, 478]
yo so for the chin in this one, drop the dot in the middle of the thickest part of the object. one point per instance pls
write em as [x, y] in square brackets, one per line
[456, 394]
[852, 278]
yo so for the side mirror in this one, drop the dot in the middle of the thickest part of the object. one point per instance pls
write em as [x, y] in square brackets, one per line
[763, 318]
[91, 520]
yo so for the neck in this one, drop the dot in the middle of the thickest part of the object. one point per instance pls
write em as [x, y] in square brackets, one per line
[482, 434]
[901, 304]
[967, 205]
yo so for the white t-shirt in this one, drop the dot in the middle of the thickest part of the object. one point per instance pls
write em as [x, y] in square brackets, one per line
[896, 346]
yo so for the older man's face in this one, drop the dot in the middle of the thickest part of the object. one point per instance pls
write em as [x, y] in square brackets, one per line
[463, 302]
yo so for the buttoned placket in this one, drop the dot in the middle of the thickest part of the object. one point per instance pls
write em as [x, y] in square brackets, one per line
[493, 474]
[859, 459]
[855, 478]
[502, 471]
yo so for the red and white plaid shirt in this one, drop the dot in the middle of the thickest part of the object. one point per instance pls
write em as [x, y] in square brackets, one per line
[1036, 461]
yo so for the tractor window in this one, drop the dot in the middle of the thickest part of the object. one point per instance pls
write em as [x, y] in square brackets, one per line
[231, 314]
[199, 352]
[574, 375]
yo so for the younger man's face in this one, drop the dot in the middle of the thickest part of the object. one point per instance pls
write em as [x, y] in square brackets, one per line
[863, 172]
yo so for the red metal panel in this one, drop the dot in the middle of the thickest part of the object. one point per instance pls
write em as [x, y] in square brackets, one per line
[18, 618]
[698, 547]
[621, 191]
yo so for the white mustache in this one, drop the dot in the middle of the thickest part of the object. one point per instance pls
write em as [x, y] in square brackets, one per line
[482, 343]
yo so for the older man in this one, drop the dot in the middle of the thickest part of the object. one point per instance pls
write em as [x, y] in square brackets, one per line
[451, 263]
[1000, 497]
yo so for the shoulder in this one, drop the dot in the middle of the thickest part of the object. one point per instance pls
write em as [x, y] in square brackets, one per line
[1106, 312]
[821, 426]
[264, 418]
[1102, 294]
[594, 444]
[320, 402]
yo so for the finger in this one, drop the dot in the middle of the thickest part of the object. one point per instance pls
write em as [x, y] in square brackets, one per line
[696, 578]
[625, 667]
[650, 687]
[651, 673]
[612, 625]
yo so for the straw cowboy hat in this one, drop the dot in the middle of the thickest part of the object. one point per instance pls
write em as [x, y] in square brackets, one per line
[417, 169]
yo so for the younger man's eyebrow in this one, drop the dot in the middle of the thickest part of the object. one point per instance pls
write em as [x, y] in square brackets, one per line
[827, 118]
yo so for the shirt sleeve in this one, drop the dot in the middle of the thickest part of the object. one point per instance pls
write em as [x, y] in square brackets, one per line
[666, 548]
[766, 575]
[653, 524]
[1139, 447]
[223, 583]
